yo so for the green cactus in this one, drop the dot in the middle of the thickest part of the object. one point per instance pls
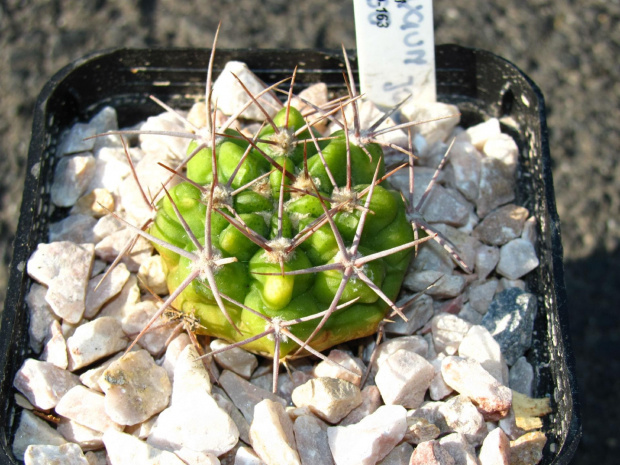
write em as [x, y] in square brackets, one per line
[286, 243]
[280, 270]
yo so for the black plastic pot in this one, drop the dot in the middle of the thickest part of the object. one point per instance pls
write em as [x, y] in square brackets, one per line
[480, 83]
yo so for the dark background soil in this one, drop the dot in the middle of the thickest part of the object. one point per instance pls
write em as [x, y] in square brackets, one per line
[569, 48]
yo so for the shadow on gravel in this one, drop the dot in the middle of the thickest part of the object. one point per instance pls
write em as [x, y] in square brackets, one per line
[593, 289]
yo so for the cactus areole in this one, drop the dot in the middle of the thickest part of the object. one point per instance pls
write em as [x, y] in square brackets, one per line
[290, 237]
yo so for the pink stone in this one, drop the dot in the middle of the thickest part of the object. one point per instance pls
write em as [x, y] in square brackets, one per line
[467, 377]
[370, 440]
[43, 383]
[404, 379]
[430, 453]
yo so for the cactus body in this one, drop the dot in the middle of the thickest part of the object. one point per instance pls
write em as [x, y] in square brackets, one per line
[262, 228]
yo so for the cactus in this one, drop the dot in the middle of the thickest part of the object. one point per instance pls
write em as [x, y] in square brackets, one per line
[287, 242]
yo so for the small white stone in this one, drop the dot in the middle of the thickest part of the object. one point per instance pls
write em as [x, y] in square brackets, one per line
[152, 274]
[75, 228]
[516, 259]
[173, 351]
[466, 161]
[502, 147]
[434, 155]
[86, 438]
[231, 97]
[77, 139]
[121, 305]
[462, 416]
[40, 318]
[136, 388]
[404, 379]
[486, 260]
[55, 350]
[96, 203]
[64, 267]
[104, 121]
[448, 332]
[111, 169]
[67, 454]
[272, 434]
[42, 383]
[95, 340]
[234, 359]
[101, 289]
[71, 177]
[479, 344]
[167, 149]
[86, 407]
[415, 344]
[370, 440]
[246, 456]
[340, 362]
[194, 420]
[495, 449]
[443, 115]
[125, 449]
[31, 431]
[136, 317]
[193, 379]
[480, 133]
[105, 226]
[438, 388]
[467, 377]
[330, 399]
[287, 384]
[197, 116]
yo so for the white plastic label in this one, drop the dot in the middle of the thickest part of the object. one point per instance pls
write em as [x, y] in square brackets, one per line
[396, 50]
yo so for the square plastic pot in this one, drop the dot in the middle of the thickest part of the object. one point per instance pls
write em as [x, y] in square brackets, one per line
[480, 83]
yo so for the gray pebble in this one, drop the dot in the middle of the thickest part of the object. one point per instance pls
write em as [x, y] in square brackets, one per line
[510, 320]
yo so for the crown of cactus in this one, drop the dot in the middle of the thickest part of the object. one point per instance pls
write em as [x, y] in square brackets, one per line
[287, 242]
